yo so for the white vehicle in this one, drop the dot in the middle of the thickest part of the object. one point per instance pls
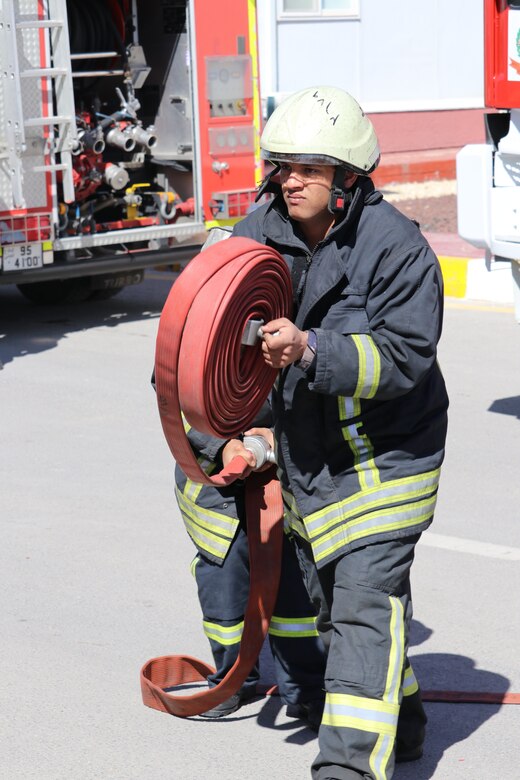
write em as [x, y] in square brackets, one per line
[488, 175]
[127, 129]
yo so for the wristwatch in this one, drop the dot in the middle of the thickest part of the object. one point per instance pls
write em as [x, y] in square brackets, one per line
[309, 354]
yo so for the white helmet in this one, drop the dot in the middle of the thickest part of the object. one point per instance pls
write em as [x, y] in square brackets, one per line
[321, 126]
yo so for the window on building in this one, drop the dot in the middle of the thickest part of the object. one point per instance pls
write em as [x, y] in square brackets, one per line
[320, 7]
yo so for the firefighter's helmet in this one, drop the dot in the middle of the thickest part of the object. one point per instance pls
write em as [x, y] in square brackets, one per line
[321, 126]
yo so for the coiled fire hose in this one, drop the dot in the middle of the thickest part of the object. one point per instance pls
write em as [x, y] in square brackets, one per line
[204, 368]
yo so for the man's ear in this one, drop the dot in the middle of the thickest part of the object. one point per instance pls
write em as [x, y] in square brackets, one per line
[350, 179]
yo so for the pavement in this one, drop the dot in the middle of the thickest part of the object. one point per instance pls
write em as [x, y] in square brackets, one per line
[96, 563]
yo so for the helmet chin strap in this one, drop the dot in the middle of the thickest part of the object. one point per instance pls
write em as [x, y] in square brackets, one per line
[267, 185]
[339, 198]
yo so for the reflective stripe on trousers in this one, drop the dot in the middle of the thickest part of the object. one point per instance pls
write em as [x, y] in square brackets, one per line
[364, 612]
[298, 654]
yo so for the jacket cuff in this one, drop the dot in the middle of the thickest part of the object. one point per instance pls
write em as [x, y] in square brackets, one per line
[307, 362]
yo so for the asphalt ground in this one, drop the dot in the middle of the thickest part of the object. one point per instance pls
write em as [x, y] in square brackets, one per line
[95, 561]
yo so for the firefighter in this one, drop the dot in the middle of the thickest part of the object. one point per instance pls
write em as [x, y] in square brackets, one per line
[360, 416]
[215, 519]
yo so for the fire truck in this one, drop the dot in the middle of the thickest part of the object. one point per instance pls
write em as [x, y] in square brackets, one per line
[128, 128]
[488, 175]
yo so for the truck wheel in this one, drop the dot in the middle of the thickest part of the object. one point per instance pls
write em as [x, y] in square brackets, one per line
[57, 290]
[104, 295]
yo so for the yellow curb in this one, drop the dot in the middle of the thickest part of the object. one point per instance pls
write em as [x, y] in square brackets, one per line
[455, 275]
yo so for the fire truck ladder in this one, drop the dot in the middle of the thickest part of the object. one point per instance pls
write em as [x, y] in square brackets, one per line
[13, 123]
[60, 71]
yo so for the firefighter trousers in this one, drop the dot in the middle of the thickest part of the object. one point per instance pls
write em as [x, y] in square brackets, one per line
[373, 702]
[298, 653]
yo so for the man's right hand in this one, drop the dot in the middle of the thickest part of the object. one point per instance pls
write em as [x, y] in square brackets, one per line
[236, 447]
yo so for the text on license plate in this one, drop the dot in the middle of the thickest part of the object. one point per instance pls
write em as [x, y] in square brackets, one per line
[19, 257]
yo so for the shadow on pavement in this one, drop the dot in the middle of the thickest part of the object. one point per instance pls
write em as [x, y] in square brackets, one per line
[448, 723]
[509, 406]
[27, 328]
[300, 732]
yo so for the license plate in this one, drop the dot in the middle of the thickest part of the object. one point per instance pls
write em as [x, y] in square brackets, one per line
[20, 257]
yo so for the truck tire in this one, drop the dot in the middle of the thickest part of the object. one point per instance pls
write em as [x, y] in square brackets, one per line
[104, 295]
[55, 291]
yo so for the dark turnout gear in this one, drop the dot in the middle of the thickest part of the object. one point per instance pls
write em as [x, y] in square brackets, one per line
[364, 611]
[211, 515]
[216, 521]
[360, 434]
[360, 428]
[298, 655]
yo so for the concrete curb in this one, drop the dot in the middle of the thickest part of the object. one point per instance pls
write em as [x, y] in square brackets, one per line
[470, 278]
[466, 273]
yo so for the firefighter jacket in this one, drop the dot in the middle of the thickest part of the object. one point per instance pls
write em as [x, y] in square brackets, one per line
[211, 515]
[360, 433]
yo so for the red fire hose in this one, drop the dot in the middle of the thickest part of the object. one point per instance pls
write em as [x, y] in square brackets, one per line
[203, 369]
[471, 697]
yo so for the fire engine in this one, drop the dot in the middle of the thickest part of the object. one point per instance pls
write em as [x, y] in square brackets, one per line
[128, 128]
[488, 175]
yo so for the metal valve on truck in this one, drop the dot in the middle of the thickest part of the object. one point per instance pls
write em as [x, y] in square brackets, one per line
[128, 128]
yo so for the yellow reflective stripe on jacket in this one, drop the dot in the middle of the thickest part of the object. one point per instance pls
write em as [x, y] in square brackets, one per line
[209, 530]
[394, 491]
[192, 489]
[215, 522]
[359, 443]
[395, 518]
[291, 517]
[348, 407]
[212, 545]
[369, 366]
[293, 628]
[356, 712]
[363, 452]
[224, 635]
[410, 684]
[187, 426]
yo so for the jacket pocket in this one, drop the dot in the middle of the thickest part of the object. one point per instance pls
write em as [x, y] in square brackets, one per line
[346, 320]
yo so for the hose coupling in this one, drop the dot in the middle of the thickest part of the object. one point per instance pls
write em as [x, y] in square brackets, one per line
[260, 448]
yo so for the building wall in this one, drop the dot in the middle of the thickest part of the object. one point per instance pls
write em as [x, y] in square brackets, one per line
[400, 55]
